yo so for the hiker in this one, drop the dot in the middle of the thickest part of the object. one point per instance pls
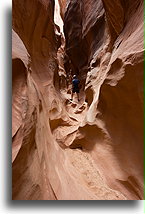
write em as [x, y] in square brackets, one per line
[75, 87]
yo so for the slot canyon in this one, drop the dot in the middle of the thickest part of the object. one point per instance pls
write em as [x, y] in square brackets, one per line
[90, 149]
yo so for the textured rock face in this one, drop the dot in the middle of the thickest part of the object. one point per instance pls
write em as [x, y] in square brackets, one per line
[91, 150]
[84, 34]
[120, 103]
[33, 21]
[113, 127]
[63, 5]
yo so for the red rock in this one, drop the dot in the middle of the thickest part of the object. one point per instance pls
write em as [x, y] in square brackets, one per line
[78, 151]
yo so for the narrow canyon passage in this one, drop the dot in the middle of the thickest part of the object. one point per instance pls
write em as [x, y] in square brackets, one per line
[90, 149]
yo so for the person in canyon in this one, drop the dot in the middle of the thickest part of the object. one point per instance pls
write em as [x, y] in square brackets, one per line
[75, 87]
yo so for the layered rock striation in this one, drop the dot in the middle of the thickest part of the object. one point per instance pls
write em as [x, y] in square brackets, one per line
[91, 150]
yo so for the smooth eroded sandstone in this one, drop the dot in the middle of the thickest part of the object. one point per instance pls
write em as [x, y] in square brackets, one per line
[87, 150]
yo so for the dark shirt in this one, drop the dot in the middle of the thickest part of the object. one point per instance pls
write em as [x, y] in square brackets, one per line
[75, 83]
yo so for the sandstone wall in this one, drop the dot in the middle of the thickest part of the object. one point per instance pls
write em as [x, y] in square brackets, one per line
[92, 150]
[33, 22]
[113, 127]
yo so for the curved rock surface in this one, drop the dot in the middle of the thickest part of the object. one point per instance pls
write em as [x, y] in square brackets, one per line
[87, 150]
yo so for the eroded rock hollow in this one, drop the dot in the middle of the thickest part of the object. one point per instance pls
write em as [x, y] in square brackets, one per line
[70, 150]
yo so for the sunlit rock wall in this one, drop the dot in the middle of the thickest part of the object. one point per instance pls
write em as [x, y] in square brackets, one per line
[105, 44]
[95, 153]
